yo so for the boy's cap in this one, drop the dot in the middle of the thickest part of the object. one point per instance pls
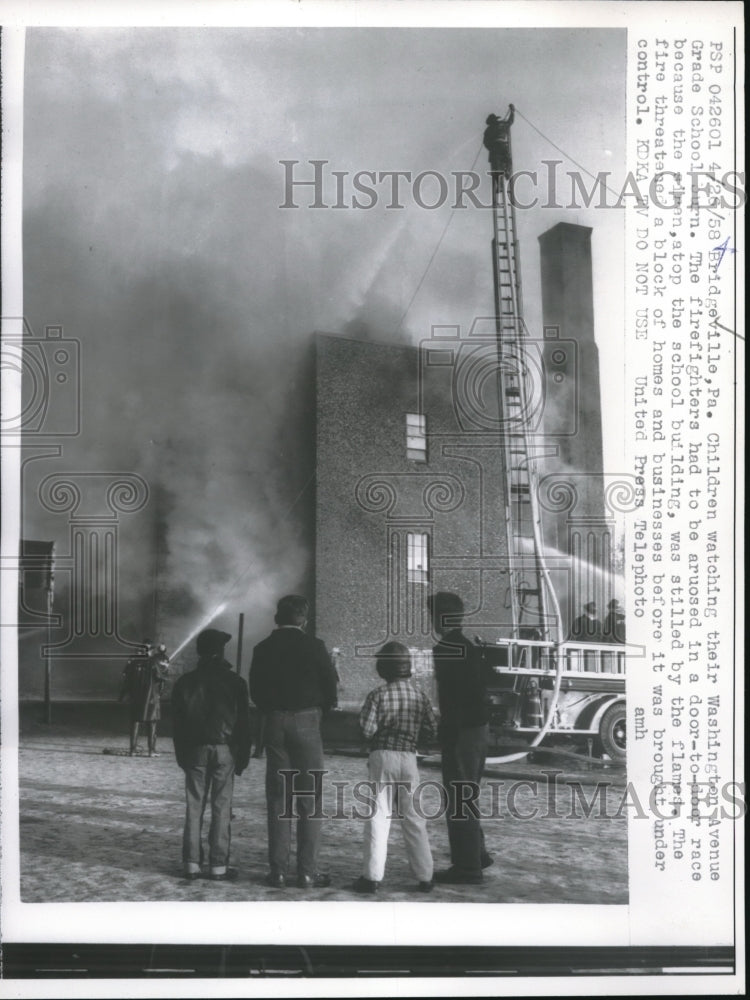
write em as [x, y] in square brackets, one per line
[211, 641]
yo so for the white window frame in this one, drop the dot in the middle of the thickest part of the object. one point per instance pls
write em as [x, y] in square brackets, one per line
[416, 437]
[417, 557]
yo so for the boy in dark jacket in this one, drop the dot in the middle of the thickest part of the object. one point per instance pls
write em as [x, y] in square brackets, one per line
[210, 707]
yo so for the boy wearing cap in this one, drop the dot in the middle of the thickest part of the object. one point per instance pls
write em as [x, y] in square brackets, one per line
[393, 718]
[210, 707]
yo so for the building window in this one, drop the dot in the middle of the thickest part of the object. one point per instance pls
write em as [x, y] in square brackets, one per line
[417, 557]
[416, 437]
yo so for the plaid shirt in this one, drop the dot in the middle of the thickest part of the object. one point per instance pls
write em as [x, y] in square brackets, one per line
[393, 716]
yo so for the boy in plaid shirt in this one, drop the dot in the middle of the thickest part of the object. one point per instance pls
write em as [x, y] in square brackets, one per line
[393, 718]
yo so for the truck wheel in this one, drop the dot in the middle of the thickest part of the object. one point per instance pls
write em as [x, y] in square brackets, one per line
[612, 732]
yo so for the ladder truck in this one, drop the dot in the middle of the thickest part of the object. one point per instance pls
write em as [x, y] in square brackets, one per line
[543, 688]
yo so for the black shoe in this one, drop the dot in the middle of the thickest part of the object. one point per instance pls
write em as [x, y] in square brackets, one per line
[276, 880]
[424, 886]
[487, 860]
[459, 876]
[320, 880]
[230, 875]
[191, 876]
[364, 885]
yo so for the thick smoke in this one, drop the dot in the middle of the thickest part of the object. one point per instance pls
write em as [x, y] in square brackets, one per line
[197, 375]
[192, 378]
[153, 235]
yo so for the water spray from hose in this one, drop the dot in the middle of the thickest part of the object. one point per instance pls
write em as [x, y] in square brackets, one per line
[199, 628]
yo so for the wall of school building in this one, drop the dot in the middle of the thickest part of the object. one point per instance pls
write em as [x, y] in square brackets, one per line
[382, 494]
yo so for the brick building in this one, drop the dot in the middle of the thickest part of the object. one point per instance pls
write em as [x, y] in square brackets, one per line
[409, 495]
[577, 523]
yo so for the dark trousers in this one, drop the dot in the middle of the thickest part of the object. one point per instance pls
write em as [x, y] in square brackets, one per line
[293, 743]
[464, 752]
[209, 775]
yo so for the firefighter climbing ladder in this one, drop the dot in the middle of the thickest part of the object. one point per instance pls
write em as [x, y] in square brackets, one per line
[533, 601]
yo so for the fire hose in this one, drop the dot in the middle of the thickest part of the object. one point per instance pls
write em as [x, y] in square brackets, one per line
[510, 758]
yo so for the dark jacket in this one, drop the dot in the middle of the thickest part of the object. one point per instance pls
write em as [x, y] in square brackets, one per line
[210, 706]
[462, 694]
[614, 627]
[586, 629]
[291, 671]
[497, 140]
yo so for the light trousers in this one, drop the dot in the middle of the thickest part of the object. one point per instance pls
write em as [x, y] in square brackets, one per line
[384, 767]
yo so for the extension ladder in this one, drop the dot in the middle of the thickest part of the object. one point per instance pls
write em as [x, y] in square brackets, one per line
[530, 588]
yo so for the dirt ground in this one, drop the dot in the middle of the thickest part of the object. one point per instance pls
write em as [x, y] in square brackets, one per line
[98, 826]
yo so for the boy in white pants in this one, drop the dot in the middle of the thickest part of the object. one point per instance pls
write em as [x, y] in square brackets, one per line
[393, 718]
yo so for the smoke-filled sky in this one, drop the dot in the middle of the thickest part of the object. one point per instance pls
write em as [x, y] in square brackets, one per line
[153, 234]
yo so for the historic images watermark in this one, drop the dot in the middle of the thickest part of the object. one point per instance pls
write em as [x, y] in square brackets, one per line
[521, 799]
[49, 369]
[315, 184]
[42, 416]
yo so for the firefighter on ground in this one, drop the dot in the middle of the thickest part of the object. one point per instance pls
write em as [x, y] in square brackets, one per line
[142, 684]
